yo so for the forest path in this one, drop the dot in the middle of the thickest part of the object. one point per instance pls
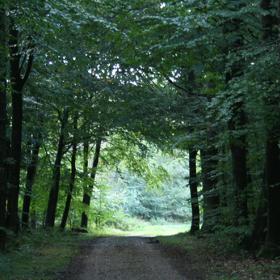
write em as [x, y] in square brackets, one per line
[127, 258]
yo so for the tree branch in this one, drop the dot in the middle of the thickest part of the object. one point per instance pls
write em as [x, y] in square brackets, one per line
[22, 63]
[28, 68]
[182, 88]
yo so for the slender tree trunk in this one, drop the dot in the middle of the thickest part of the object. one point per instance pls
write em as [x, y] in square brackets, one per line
[30, 178]
[53, 195]
[72, 178]
[14, 178]
[258, 235]
[193, 183]
[18, 81]
[238, 147]
[86, 198]
[87, 193]
[272, 182]
[211, 198]
[3, 129]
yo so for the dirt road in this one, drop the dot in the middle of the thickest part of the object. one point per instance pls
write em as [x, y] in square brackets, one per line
[127, 258]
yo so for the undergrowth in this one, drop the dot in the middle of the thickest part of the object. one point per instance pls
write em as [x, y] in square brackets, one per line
[138, 227]
[40, 255]
[217, 259]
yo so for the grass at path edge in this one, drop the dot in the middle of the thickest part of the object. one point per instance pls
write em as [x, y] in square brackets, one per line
[212, 259]
[40, 255]
[45, 255]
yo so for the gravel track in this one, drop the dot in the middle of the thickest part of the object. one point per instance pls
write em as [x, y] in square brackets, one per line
[125, 258]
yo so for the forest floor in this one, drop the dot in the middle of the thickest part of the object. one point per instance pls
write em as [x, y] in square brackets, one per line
[217, 258]
[40, 255]
[138, 254]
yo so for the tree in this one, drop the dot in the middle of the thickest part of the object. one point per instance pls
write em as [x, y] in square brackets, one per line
[88, 189]
[19, 73]
[72, 176]
[272, 150]
[30, 178]
[193, 183]
[54, 190]
[3, 126]
[237, 122]
[211, 198]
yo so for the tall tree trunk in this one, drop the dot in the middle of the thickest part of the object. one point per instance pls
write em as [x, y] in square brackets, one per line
[259, 228]
[272, 183]
[14, 174]
[270, 22]
[53, 195]
[238, 147]
[86, 198]
[237, 123]
[193, 183]
[88, 191]
[211, 198]
[18, 81]
[3, 129]
[72, 177]
[30, 178]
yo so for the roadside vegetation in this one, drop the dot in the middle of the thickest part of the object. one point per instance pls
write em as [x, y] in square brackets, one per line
[218, 258]
[39, 255]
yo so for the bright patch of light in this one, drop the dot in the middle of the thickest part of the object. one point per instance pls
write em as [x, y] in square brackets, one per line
[93, 73]
[116, 69]
[64, 59]
[114, 72]
[162, 5]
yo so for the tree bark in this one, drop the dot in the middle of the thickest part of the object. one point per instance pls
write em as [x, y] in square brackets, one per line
[86, 198]
[193, 183]
[30, 178]
[18, 81]
[72, 178]
[270, 23]
[3, 129]
[14, 178]
[88, 191]
[272, 183]
[238, 140]
[53, 195]
[211, 198]
[238, 147]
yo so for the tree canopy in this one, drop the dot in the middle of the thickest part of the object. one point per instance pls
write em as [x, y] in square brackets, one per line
[90, 85]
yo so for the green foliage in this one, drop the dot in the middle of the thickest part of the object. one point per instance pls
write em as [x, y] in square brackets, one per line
[39, 255]
[152, 79]
[165, 197]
